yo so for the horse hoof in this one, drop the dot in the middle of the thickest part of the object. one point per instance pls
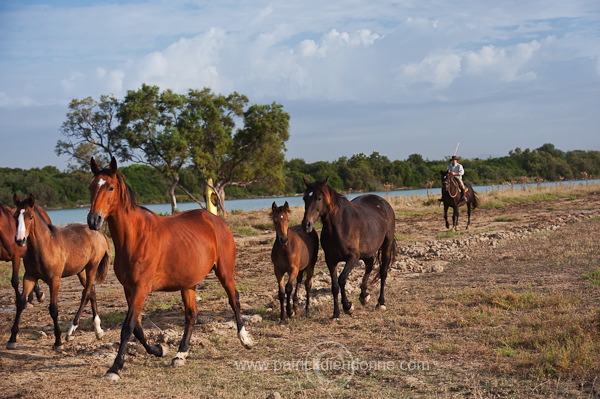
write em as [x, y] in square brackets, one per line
[178, 362]
[68, 338]
[99, 335]
[58, 348]
[41, 298]
[350, 310]
[29, 305]
[112, 376]
[164, 350]
[380, 307]
[365, 300]
[11, 345]
[245, 338]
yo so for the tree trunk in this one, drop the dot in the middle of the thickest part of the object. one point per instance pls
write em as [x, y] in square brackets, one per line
[174, 182]
[220, 191]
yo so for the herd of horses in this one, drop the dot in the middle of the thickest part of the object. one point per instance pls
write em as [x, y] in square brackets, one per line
[175, 253]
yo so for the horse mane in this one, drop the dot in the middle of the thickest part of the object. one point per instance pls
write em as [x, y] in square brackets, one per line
[128, 196]
[334, 199]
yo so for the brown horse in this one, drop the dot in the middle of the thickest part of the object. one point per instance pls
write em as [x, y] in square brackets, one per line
[451, 198]
[10, 251]
[161, 253]
[53, 253]
[294, 251]
[352, 230]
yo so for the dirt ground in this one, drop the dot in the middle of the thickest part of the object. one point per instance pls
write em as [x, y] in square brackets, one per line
[428, 343]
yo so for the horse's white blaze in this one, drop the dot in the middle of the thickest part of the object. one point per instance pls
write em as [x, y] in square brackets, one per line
[21, 230]
[310, 194]
[101, 182]
[245, 338]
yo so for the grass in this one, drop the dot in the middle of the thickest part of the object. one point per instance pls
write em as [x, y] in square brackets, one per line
[505, 219]
[593, 277]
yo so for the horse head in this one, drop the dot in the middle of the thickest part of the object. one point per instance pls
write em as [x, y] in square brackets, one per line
[25, 217]
[105, 190]
[281, 220]
[317, 202]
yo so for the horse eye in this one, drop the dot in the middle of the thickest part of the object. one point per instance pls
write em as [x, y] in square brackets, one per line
[111, 188]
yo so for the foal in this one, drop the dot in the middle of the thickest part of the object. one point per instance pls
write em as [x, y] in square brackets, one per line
[54, 253]
[294, 251]
[10, 251]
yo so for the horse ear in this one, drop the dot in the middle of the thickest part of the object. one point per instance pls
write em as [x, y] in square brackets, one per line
[306, 183]
[324, 182]
[113, 165]
[286, 206]
[16, 199]
[94, 166]
[31, 199]
[274, 206]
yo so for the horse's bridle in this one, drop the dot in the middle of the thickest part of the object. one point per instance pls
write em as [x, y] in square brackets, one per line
[447, 185]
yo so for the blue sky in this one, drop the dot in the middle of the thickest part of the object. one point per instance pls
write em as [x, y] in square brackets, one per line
[397, 77]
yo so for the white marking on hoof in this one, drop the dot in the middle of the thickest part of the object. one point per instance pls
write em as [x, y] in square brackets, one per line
[69, 334]
[349, 311]
[380, 307]
[179, 359]
[165, 350]
[112, 377]
[28, 305]
[246, 338]
[42, 297]
[97, 328]
[11, 345]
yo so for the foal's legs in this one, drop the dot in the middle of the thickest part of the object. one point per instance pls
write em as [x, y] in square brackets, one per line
[14, 281]
[364, 286]
[281, 293]
[28, 283]
[289, 287]
[53, 308]
[191, 312]
[86, 279]
[298, 283]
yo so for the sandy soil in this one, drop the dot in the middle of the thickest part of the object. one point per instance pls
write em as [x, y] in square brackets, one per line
[424, 263]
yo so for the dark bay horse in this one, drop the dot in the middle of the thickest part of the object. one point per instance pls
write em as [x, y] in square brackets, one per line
[294, 252]
[161, 253]
[54, 253]
[10, 251]
[451, 199]
[363, 228]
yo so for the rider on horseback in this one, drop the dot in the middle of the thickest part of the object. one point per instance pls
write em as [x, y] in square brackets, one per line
[457, 171]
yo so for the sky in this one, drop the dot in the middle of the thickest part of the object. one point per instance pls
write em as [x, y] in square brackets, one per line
[356, 76]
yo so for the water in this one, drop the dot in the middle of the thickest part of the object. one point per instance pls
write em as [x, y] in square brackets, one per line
[62, 217]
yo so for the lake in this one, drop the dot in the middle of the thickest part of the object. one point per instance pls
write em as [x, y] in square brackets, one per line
[62, 217]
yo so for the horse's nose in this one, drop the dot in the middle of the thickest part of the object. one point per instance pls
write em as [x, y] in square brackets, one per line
[283, 240]
[95, 221]
[21, 242]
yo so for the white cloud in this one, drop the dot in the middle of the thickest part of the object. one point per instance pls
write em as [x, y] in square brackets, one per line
[506, 62]
[440, 70]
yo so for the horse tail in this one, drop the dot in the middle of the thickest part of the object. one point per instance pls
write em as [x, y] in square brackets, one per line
[103, 268]
[392, 250]
[475, 202]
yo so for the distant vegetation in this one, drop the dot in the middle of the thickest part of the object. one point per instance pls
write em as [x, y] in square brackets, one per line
[360, 172]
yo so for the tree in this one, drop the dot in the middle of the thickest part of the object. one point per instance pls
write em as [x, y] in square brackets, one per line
[91, 129]
[151, 124]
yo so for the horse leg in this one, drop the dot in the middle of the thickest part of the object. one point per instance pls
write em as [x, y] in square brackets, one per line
[346, 304]
[387, 254]
[225, 276]
[298, 283]
[28, 283]
[364, 286]
[191, 312]
[38, 293]
[53, 309]
[288, 291]
[84, 299]
[455, 218]
[446, 216]
[308, 285]
[281, 294]
[335, 288]
[96, 317]
[468, 214]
